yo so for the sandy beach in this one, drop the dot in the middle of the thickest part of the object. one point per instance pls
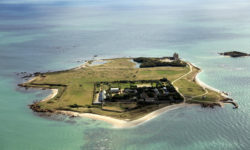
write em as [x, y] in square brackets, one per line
[91, 63]
[117, 123]
[52, 95]
[86, 64]
[31, 79]
[204, 85]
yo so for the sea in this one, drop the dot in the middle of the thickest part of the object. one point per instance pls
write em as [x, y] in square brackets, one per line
[51, 35]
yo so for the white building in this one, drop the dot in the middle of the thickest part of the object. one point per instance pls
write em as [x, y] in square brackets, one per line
[114, 90]
[102, 96]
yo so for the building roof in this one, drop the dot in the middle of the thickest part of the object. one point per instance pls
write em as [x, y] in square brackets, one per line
[102, 95]
[114, 89]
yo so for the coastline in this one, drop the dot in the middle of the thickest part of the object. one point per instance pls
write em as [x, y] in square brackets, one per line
[82, 66]
[31, 79]
[228, 99]
[90, 63]
[51, 95]
[117, 123]
[204, 85]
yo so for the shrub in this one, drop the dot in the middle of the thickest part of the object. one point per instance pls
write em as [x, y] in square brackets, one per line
[154, 62]
[75, 106]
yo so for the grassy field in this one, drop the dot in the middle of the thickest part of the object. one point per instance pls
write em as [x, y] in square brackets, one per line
[78, 86]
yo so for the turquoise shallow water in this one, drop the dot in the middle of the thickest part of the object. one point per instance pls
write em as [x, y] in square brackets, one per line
[57, 34]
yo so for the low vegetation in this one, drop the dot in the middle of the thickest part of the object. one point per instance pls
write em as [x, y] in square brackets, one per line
[156, 62]
[77, 88]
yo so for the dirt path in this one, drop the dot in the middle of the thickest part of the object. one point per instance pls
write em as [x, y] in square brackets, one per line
[191, 69]
[206, 92]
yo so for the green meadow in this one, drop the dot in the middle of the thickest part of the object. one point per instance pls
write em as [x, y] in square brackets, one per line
[76, 87]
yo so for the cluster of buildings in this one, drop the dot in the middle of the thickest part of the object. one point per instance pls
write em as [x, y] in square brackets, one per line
[154, 94]
[157, 91]
[147, 94]
[103, 93]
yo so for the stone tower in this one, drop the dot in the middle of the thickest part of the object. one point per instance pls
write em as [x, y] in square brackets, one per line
[176, 56]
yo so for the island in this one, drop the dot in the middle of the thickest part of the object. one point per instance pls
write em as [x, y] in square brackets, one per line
[234, 54]
[124, 89]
